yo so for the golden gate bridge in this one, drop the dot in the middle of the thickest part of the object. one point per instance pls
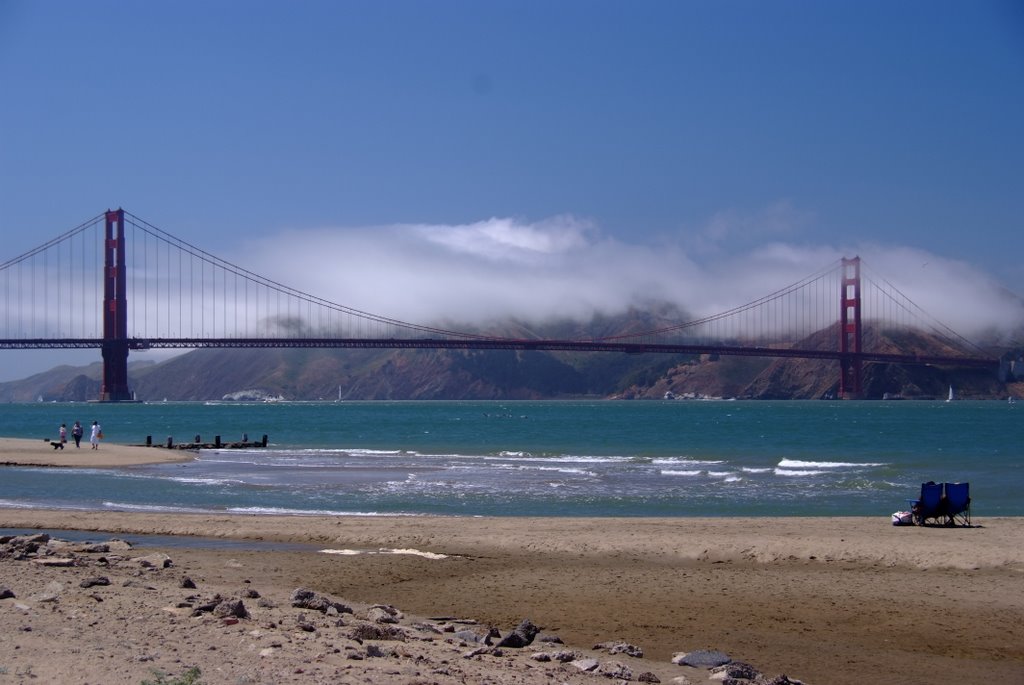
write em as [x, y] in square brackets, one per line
[118, 283]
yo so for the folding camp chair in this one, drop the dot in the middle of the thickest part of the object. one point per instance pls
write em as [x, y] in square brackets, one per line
[957, 504]
[930, 506]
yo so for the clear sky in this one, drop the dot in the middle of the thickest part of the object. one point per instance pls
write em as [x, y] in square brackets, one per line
[581, 141]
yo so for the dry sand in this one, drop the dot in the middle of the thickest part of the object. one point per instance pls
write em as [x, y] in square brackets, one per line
[828, 600]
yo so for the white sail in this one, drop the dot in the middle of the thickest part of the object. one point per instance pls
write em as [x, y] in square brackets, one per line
[951, 397]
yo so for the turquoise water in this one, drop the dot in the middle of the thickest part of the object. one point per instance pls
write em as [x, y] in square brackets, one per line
[600, 458]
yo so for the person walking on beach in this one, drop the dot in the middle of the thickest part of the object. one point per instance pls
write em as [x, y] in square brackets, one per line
[94, 436]
[63, 434]
[76, 433]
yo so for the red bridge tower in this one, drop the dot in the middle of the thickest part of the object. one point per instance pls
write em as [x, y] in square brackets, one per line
[115, 312]
[850, 331]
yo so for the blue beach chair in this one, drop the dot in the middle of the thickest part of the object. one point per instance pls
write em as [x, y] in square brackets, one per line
[958, 504]
[930, 505]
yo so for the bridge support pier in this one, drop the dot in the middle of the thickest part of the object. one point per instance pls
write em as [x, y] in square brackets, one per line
[850, 337]
[115, 312]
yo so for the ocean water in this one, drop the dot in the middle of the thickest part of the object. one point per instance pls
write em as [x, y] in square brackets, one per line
[554, 458]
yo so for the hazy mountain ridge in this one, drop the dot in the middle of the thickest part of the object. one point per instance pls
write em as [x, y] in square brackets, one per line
[390, 374]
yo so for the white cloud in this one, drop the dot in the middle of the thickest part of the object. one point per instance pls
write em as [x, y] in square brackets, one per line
[566, 267]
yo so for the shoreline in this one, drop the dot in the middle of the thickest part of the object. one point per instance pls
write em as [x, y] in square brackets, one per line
[826, 600]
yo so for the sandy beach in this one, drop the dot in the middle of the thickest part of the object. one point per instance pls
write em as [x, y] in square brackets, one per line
[825, 600]
[23, 452]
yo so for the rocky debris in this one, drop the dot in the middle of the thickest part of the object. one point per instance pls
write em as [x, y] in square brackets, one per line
[303, 598]
[702, 658]
[24, 543]
[614, 669]
[478, 635]
[736, 670]
[620, 648]
[156, 560]
[587, 664]
[93, 581]
[380, 613]
[97, 548]
[521, 636]
[301, 643]
[740, 673]
[54, 561]
[371, 631]
[230, 607]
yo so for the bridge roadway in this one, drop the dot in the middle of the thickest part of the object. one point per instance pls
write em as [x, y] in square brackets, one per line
[500, 344]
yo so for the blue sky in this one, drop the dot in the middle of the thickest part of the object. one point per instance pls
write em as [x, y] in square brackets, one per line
[693, 137]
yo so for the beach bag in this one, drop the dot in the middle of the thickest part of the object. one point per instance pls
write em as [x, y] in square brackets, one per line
[100, 435]
[902, 518]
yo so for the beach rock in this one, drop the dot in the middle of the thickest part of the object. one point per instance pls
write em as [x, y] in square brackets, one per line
[95, 548]
[587, 665]
[95, 580]
[187, 583]
[33, 541]
[50, 593]
[648, 677]
[155, 560]
[736, 670]
[483, 636]
[207, 606]
[231, 607]
[522, 635]
[783, 680]
[307, 599]
[614, 669]
[621, 648]
[701, 658]
[382, 614]
[54, 561]
[6, 593]
[370, 631]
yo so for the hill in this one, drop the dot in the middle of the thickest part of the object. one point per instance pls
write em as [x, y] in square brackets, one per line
[381, 374]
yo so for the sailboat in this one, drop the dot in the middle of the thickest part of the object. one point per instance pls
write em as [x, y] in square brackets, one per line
[951, 397]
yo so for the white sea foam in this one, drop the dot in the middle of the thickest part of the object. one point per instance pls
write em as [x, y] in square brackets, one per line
[282, 511]
[155, 508]
[798, 464]
[206, 481]
[565, 458]
[556, 469]
[795, 473]
[356, 552]
[686, 461]
[674, 472]
[751, 469]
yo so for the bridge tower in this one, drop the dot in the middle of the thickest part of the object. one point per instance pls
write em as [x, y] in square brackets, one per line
[850, 331]
[115, 312]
